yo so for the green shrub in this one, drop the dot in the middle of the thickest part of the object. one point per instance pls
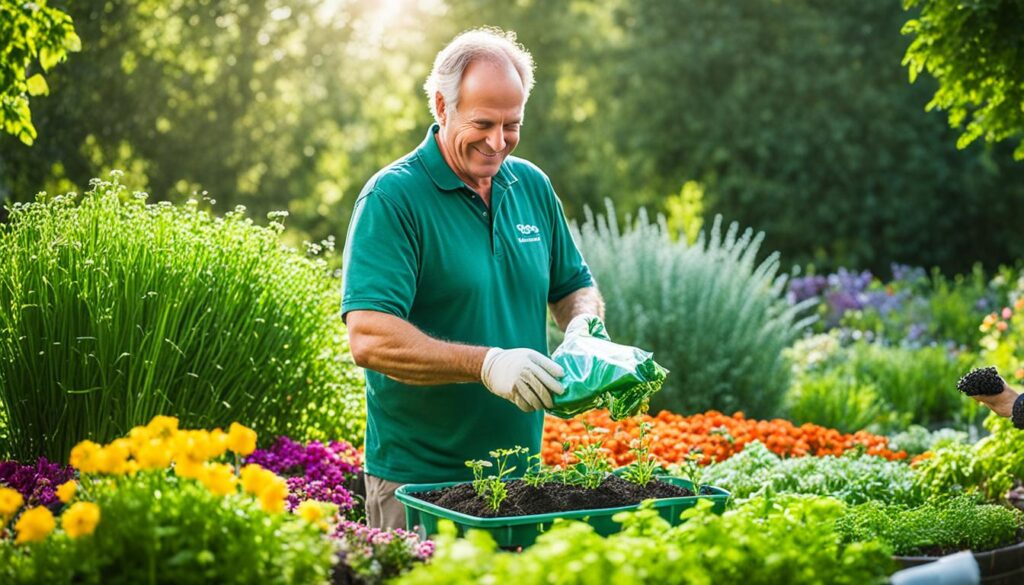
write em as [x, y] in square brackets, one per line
[782, 540]
[710, 312]
[852, 478]
[869, 384]
[834, 399]
[158, 528]
[936, 528]
[113, 311]
[918, 382]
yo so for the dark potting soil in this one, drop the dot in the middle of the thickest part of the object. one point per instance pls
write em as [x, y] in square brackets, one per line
[981, 382]
[550, 497]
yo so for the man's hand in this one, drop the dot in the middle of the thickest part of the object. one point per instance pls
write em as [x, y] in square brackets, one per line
[525, 377]
[1002, 403]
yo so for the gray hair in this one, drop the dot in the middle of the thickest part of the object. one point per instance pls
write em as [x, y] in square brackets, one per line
[483, 43]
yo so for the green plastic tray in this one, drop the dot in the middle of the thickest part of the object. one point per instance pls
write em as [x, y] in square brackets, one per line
[516, 531]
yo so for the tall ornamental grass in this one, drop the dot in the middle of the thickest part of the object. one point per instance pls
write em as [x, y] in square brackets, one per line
[113, 310]
[711, 313]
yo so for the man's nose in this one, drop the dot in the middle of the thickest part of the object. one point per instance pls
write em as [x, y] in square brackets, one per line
[496, 140]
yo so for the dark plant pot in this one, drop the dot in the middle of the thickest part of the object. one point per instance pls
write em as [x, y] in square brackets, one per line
[341, 574]
[1001, 566]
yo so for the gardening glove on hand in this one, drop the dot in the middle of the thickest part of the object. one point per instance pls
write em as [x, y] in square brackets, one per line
[525, 377]
[587, 324]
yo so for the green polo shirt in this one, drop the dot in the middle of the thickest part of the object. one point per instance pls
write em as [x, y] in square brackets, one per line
[424, 247]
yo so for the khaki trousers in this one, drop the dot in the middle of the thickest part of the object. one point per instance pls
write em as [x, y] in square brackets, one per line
[382, 509]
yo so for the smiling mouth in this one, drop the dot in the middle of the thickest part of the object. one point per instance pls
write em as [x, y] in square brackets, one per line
[485, 155]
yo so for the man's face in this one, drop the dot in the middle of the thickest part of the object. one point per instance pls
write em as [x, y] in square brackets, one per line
[477, 137]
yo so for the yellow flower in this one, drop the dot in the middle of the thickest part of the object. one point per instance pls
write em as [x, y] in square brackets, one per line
[66, 490]
[163, 427]
[10, 502]
[191, 446]
[34, 525]
[219, 478]
[154, 454]
[80, 519]
[255, 478]
[113, 458]
[84, 457]
[310, 511]
[241, 440]
[188, 469]
[272, 496]
[138, 437]
[218, 443]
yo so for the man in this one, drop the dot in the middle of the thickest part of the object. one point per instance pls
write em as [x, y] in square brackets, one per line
[454, 254]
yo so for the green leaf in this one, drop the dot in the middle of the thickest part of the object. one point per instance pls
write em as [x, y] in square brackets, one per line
[48, 58]
[72, 43]
[37, 85]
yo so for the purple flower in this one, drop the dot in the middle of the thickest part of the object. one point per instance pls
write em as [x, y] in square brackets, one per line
[314, 472]
[36, 483]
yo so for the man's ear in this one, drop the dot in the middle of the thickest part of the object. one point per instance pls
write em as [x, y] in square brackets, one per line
[441, 107]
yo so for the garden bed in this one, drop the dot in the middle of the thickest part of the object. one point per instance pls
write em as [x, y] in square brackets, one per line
[522, 529]
[553, 497]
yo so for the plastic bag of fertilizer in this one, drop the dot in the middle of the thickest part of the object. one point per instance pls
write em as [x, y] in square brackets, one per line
[603, 374]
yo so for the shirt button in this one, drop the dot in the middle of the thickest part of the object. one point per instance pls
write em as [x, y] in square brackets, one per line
[485, 214]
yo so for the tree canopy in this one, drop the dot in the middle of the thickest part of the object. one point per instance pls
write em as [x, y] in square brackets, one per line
[30, 32]
[794, 117]
[976, 52]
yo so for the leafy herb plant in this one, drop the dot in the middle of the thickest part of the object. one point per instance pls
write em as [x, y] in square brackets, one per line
[642, 470]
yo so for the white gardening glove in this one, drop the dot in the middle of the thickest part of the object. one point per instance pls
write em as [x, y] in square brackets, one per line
[580, 324]
[525, 377]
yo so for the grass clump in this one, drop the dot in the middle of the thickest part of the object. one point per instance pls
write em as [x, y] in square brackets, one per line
[113, 310]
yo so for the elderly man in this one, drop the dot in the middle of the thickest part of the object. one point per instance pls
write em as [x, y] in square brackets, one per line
[454, 254]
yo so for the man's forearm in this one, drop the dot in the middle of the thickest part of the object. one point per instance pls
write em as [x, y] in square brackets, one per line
[394, 347]
[584, 300]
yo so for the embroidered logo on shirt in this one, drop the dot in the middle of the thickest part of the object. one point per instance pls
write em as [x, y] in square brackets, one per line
[528, 233]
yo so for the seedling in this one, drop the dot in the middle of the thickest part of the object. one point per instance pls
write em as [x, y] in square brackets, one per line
[592, 466]
[692, 468]
[537, 474]
[642, 469]
[492, 487]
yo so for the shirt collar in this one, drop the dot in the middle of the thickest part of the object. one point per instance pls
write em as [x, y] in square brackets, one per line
[443, 175]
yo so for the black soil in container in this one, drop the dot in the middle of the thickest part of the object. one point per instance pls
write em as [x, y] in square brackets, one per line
[524, 500]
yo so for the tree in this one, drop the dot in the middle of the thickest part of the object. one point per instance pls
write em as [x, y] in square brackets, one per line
[976, 52]
[29, 31]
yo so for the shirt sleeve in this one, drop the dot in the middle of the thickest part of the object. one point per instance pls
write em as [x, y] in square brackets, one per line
[569, 271]
[381, 258]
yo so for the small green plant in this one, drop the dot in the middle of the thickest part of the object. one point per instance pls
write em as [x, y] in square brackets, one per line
[592, 464]
[692, 470]
[949, 524]
[492, 487]
[537, 474]
[642, 469]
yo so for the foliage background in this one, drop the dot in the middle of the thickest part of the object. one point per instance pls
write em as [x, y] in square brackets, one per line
[795, 118]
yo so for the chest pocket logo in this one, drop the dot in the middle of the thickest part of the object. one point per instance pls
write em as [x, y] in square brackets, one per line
[527, 233]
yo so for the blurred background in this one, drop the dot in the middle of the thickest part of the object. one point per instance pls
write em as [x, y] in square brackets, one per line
[794, 118]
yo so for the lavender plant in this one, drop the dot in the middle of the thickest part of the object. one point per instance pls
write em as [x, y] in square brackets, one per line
[711, 312]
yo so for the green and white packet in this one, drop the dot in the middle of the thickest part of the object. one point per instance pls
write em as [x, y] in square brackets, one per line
[602, 374]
